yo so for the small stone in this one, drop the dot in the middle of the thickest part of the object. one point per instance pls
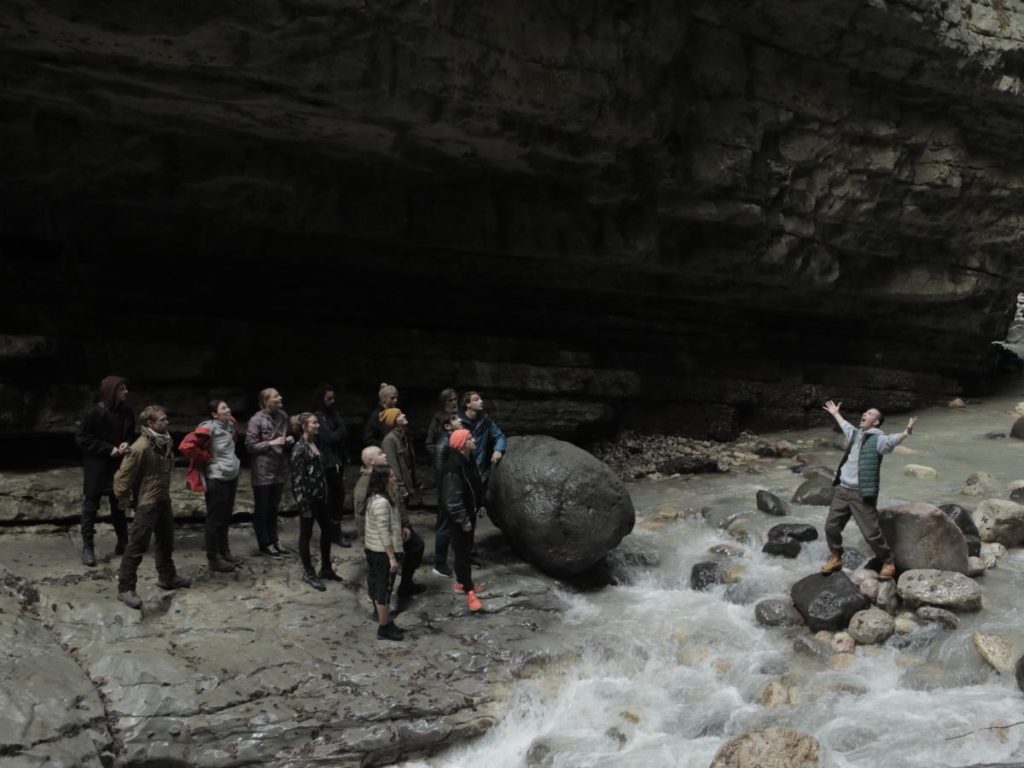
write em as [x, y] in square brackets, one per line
[995, 649]
[948, 619]
[775, 694]
[886, 597]
[704, 574]
[979, 478]
[786, 548]
[976, 566]
[769, 748]
[664, 513]
[842, 661]
[956, 403]
[734, 573]
[871, 626]
[771, 504]
[903, 625]
[737, 529]
[945, 589]
[993, 549]
[726, 550]
[777, 613]
[863, 574]
[869, 588]
[843, 642]
[920, 471]
[798, 531]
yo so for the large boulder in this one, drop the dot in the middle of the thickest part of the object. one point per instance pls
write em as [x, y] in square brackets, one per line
[945, 589]
[561, 508]
[816, 491]
[773, 747]
[923, 536]
[827, 601]
[1000, 521]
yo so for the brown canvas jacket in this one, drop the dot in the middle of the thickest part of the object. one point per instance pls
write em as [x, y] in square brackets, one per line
[144, 477]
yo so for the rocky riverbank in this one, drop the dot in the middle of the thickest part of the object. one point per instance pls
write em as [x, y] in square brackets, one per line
[251, 667]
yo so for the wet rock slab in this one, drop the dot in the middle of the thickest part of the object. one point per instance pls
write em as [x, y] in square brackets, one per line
[251, 667]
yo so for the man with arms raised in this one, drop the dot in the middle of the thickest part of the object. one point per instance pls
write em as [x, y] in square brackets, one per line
[857, 481]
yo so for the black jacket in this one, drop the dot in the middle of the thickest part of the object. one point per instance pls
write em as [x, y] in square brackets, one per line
[331, 439]
[461, 492]
[99, 433]
[374, 431]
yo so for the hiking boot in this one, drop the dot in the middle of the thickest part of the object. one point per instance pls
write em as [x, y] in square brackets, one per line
[219, 565]
[309, 577]
[327, 574]
[227, 557]
[130, 598]
[276, 547]
[270, 552]
[834, 563]
[443, 569]
[178, 582]
[888, 572]
[389, 632]
[412, 589]
[473, 601]
[88, 555]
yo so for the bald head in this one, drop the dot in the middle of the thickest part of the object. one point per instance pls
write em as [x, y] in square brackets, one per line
[369, 454]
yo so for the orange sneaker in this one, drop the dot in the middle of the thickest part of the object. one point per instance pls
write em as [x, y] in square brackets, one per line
[888, 572]
[473, 601]
[461, 589]
[834, 563]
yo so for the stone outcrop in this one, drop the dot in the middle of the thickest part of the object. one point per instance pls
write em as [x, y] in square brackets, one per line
[561, 508]
[718, 188]
[251, 667]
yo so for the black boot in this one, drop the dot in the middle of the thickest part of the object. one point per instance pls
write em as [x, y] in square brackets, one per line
[327, 573]
[88, 554]
[338, 538]
[389, 631]
[310, 578]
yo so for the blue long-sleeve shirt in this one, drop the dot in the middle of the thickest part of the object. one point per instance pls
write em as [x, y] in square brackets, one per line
[488, 436]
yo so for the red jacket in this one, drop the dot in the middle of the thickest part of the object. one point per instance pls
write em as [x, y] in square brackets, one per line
[194, 448]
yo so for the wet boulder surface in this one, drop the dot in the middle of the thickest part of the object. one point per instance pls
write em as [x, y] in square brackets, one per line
[827, 601]
[560, 507]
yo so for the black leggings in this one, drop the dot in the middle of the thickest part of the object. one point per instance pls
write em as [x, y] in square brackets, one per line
[322, 517]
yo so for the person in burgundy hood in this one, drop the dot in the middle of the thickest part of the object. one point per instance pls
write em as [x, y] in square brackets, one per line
[106, 431]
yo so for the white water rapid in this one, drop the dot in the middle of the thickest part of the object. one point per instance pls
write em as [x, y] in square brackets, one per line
[656, 674]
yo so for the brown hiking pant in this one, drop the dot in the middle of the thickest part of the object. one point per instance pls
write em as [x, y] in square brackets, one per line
[847, 502]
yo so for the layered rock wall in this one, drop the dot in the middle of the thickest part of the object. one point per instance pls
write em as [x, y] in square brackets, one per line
[731, 210]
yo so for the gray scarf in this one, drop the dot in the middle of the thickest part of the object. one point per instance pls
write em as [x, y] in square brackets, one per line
[162, 439]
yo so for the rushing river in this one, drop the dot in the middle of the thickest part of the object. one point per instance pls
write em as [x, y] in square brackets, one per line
[656, 674]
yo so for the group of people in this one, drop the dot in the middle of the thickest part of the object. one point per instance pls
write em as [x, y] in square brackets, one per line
[309, 451]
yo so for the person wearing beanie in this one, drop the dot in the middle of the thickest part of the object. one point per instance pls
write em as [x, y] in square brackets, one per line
[104, 435]
[375, 429]
[398, 447]
[461, 498]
